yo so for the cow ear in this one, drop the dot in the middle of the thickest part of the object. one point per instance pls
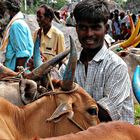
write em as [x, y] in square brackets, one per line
[28, 90]
[63, 108]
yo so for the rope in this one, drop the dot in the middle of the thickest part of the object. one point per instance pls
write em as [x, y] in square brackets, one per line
[74, 122]
[58, 92]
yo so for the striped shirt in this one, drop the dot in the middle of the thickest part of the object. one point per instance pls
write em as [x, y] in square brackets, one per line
[108, 82]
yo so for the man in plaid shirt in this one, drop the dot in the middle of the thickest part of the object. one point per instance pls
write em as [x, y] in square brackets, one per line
[102, 73]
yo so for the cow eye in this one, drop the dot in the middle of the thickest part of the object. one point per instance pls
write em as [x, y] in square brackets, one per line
[92, 111]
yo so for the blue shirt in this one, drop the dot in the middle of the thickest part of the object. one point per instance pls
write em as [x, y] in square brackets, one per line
[20, 43]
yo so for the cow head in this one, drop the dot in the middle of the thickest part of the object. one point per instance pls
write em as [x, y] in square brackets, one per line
[68, 104]
[73, 102]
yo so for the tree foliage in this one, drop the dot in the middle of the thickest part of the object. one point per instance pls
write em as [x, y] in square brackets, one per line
[132, 5]
[120, 2]
[36, 3]
[59, 4]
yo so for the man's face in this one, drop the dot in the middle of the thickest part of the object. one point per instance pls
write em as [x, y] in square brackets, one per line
[41, 19]
[91, 36]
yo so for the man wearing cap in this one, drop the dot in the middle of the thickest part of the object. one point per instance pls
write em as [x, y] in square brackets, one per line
[17, 43]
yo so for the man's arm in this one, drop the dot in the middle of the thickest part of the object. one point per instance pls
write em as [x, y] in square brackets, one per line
[6, 72]
[61, 45]
[118, 99]
[20, 62]
[22, 43]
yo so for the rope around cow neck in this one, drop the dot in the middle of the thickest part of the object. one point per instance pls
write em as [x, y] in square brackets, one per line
[58, 92]
[74, 122]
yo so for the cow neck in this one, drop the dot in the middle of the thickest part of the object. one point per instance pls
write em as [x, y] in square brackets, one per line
[25, 117]
[35, 105]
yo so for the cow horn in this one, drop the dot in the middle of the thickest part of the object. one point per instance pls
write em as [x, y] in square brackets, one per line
[136, 83]
[5, 72]
[44, 68]
[132, 25]
[37, 56]
[136, 41]
[128, 42]
[69, 74]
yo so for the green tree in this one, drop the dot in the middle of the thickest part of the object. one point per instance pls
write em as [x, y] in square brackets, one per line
[132, 5]
[31, 10]
[120, 2]
[59, 4]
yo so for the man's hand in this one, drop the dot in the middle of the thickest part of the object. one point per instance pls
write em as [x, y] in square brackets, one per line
[20, 62]
[30, 64]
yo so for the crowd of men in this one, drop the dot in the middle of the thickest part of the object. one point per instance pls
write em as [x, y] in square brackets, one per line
[102, 73]
[119, 24]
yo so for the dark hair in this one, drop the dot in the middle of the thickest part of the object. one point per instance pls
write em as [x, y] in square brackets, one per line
[111, 15]
[122, 15]
[134, 17]
[57, 14]
[116, 11]
[48, 11]
[13, 5]
[92, 10]
[2, 8]
[123, 24]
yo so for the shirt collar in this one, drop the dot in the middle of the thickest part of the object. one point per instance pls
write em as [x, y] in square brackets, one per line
[19, 15]
[99, 56]
[49, 34]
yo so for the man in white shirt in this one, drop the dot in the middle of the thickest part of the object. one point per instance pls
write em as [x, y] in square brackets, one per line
[102, 73]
